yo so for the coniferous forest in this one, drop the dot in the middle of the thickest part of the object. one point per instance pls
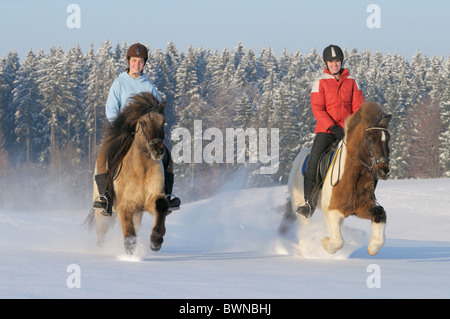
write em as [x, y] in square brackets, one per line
[52, 116]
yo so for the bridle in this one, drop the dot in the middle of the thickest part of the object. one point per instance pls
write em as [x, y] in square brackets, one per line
[148, 143]
[373, 160]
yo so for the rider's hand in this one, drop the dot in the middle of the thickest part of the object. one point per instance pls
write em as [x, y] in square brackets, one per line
[338, 131]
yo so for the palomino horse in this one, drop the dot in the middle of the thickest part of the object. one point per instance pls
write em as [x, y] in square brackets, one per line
[348, 189]
[135, 147]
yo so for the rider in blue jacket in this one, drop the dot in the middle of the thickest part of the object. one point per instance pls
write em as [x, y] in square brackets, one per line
[127, 84]
[123, 87]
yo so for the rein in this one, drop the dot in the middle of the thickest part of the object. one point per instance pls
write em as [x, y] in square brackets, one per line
[373, 160]
[339, 150]
[148, 143]
[126, 126]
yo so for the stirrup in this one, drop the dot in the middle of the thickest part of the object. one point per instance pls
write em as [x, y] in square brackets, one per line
[174, 203]
[102, 205]
[305, 210]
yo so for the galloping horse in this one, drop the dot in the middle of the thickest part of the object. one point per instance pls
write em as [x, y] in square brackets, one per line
[135, 147]
[348, 189]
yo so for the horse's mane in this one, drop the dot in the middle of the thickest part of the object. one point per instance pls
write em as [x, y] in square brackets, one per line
[370, 114]
[120, 133]
[357, 183]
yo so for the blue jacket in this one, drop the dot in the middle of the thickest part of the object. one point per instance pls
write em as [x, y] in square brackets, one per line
[123, 87]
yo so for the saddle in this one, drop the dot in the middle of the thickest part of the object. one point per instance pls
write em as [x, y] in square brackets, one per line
[325, 161]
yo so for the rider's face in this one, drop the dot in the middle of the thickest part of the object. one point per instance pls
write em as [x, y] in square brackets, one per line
[136, 66]
[334, 66]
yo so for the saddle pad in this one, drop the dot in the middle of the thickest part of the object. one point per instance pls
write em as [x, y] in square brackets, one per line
[305, 162]
[324, 162]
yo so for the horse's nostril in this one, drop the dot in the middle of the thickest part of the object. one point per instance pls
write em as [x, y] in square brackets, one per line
[383, 173]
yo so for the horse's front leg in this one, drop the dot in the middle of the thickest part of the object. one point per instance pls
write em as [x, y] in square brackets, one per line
[161, 205]
[376, 240]
[129, 231]
[103, 224]
[333, 218]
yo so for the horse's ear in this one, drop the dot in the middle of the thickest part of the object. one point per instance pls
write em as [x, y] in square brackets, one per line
[163, 106]
[385, 120]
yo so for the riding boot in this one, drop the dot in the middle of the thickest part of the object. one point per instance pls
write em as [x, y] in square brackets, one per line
[310, 194]
[174, 202]
[103, 202]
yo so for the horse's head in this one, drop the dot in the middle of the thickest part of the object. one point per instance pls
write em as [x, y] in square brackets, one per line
[368, 138]
[151, 127]
[140, 123]
[376, 141]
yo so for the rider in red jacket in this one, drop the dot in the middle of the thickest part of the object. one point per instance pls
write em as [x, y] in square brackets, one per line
[334, 96]
[333, 99]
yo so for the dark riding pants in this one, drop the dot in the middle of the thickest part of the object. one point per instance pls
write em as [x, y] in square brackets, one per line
[322, 142]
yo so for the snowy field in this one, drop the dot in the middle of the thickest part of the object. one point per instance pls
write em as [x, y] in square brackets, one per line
[227, 247]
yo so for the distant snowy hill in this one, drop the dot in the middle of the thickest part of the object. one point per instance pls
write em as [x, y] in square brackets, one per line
[228, 247]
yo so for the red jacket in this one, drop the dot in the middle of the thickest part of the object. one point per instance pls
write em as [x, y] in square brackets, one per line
[333, 101]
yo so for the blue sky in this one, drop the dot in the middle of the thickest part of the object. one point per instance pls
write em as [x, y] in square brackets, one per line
[405, 25]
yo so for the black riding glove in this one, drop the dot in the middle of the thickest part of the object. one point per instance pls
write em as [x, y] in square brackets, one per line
[338, 131]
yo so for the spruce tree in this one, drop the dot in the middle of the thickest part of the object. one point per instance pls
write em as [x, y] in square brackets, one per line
[26, 101]
[8, 69]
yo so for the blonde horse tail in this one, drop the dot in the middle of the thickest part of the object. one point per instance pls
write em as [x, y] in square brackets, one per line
[89, 222]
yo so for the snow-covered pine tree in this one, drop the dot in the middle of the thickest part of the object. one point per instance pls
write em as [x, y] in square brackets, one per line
[93, 104]
[186, 83]
[398, 127]
[419, 66]
[120, 57]
[8, 69]
[159, 75]
[26, 101]
[76, 74]
[172, 61]
[102, 73]
[444, 150]
[250, 66]
[57, 104]
[301, 76]
[267, 65]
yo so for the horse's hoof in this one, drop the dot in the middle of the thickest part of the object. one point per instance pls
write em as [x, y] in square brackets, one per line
[373, 249]
[130, 245]
[326, 245]
[155, 244]
[330, 247]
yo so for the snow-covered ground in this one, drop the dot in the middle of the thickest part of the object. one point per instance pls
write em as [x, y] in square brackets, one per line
[228, 247]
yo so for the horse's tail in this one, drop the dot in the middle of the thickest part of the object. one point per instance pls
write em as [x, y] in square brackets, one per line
[89, 222]
[288, 219]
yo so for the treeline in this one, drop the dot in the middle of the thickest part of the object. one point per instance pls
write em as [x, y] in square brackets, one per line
[52, 108]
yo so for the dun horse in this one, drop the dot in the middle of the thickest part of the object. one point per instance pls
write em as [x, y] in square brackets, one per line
[348, 189]
[135, 144]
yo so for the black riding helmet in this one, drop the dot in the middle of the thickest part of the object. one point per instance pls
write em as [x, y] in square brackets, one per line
[333, 52]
